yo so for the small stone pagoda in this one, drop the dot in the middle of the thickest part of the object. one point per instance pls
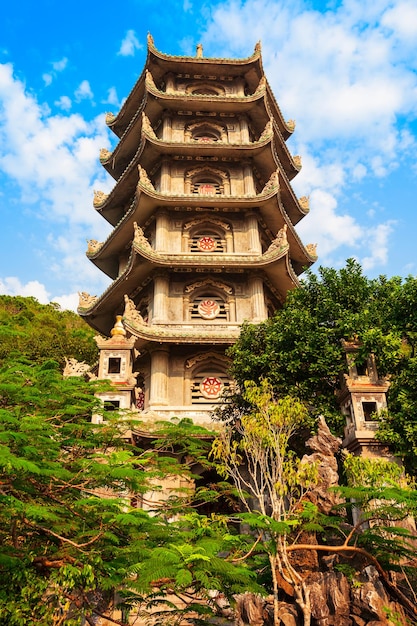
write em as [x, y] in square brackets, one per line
[203, 237]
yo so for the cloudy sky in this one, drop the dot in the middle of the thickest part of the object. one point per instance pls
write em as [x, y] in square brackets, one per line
[345, 71]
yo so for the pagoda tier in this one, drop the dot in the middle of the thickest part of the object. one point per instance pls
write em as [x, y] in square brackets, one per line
[203, 218]
[255, 119]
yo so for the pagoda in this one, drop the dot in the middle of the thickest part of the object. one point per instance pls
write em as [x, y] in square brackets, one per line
[202, 214]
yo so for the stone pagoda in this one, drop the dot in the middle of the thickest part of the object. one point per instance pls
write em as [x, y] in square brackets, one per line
[203, 237]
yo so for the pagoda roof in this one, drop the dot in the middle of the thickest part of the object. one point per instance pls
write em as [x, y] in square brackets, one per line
[143, 260]
[159, 64]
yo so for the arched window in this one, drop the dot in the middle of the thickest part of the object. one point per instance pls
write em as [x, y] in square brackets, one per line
[207, 182]
[207, 306]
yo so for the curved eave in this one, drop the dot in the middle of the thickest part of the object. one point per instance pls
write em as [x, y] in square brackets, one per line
[250, 67]
[284, 156]
[147, 200]
[203, 333]
[285, 129]
[100, 315]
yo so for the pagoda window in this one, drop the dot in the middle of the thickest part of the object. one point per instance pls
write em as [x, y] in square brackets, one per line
[369, 411]
[205, 132]
[207, 188]
[114, 366]
[112, 405]
[207, 242]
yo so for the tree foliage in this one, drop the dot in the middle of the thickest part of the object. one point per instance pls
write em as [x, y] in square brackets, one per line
[299, 351]
[39, 331]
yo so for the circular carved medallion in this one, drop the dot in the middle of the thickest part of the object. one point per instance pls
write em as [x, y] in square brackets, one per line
[208, 309]
[206, 244]
[211, 387]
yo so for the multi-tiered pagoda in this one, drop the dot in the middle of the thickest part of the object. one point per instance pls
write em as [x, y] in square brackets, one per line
[203, 236]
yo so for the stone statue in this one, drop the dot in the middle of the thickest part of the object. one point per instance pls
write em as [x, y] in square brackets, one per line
[75, 368]
[272, 183]
[144, 178]
[304, 203]
[139, 237]
[99, 198]
[131, 313]
[297, 161]
[146, 125]
[110, 117]
[199, 51]
[86, 300]
[93, 246]
[280, 240]
[104, 154]
[312, 249]
[149, 79]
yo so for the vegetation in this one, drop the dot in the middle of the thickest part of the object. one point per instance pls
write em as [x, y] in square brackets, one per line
[40, 331]
[299, 351]
[71, 531]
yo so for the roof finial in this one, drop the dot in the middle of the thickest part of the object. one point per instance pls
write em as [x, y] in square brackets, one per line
[199, 51]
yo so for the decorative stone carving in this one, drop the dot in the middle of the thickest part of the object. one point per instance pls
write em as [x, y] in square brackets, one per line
[139, 237]
[150, 41]
[75, 368]
[258, 46]
[131, 313]
[149, 80]
[208, 309]
[118, 329]
[99, 199]
[199, 51]
[110, 117]
[304, 203]
[211, 387]
[267, 132]
[104, 154]
[291, 125]
[147, 127]
[86, 300]
[312, 249]
[93, 246]
[280, 240]
[206, 356]
[208, 281]
[273, 183]
[297, 162]
[144, 178]
[203, 220]
[261, 85]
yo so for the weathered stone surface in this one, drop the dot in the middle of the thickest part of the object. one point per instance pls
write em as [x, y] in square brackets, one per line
[325, 446]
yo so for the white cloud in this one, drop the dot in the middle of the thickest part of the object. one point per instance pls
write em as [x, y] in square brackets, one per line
[377, 245]
[60, 181]
[112, 98]
[63, 103]
[68, 301]
[129, 44]
[83, 91]
[47, 79]
[12, 286]
[59, 66]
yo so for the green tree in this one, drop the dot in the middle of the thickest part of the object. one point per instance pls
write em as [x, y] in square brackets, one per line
[275, 487]
[39, 331]
[70, 533]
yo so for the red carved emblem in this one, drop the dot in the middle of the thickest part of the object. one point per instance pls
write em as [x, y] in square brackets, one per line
[208, 309]
[211, 387]
[206, 244]
[207, 189]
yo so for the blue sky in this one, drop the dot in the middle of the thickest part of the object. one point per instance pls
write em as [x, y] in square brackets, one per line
[345, 71]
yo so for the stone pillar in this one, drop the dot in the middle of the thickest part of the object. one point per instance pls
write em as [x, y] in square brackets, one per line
[159, 377]
[248, 179]
[256, 291]
[165, 176]
[254, 241]
[229, 241]
[162, 231]
[160, 299]
[244, 130]
[170, 83]
[167, 127]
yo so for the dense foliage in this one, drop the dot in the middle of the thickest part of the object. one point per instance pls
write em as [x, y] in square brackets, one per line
[40, 331]
[300, 352]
